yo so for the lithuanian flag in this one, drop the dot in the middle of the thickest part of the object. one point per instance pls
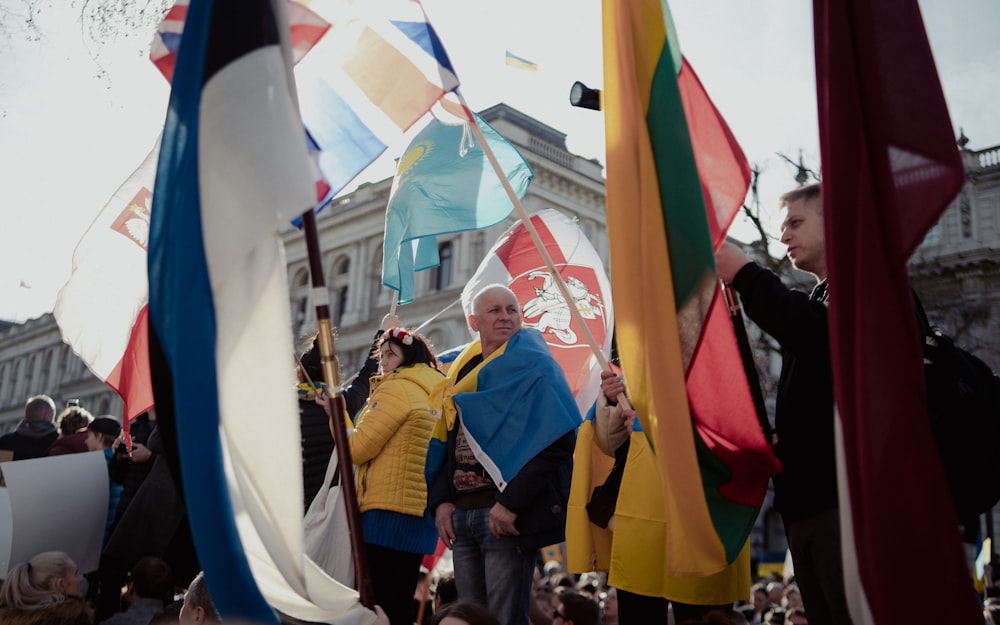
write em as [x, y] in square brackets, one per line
[675, 179]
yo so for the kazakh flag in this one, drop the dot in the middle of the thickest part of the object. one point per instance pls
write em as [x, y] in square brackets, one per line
[676, 177]
[444, 183]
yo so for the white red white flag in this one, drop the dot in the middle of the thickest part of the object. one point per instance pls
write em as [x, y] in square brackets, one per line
[102, 309]
[516, 262]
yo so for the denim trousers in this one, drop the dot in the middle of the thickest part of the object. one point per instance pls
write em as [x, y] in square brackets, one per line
[496, 572]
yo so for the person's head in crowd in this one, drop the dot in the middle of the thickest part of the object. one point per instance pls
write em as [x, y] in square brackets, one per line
[446, 591]
[588, 584]
[464, 612]
[577, 609]
[39, 408]
[797, 616]
[399, 348]
[544, 600]
[151, 578]
[312, 365]
[758, 593]
[609, 605]
[551, 568]
[775, 591]
[198, 607]
[561, 581]
[47, 579]
[774, 616]
[73, 419]
[496, 316]
[793, 598]
[102, 432]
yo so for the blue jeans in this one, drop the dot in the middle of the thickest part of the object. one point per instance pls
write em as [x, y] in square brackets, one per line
[493, 571]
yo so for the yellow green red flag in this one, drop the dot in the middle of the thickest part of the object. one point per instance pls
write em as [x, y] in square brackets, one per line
[675, 179]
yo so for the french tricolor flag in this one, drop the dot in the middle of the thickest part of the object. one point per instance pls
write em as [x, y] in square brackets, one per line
[233, 169]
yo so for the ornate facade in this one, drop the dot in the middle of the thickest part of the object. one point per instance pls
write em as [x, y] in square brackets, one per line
[956, 270]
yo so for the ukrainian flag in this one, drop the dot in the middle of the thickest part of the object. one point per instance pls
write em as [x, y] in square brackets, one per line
[521, 63]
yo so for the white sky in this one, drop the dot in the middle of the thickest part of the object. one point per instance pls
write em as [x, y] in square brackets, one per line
[73, 127]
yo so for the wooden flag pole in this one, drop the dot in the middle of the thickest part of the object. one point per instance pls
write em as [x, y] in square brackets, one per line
[336, 410]
[537, 240]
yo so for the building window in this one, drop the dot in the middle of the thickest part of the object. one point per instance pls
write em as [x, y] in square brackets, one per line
[340, 277]
[441, 278]
[299, 299]
[340, 303]
[965, 212]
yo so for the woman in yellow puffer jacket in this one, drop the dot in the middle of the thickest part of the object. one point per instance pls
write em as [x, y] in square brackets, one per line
[389, 445]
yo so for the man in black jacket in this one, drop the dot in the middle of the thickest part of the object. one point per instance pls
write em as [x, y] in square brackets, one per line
[36, 432]
[805, 493]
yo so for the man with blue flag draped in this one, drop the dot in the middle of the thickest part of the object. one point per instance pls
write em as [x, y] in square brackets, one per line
[505, 440]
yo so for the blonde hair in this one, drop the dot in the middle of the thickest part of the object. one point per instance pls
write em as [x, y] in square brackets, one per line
[808, 192]
[29, 585]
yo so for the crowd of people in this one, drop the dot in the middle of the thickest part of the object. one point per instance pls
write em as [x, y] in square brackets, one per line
[479, 457]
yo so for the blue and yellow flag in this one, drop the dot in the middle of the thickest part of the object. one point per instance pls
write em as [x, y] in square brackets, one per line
[444, 184]
[520, 62]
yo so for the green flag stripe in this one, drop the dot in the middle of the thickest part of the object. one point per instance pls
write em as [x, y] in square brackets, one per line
[687, 231]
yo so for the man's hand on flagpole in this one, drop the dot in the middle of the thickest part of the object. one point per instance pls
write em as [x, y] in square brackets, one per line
[445, 526]
[502, 521]
[729, 260]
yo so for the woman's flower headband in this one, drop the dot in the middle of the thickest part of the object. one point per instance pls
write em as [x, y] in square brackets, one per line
[401, 335]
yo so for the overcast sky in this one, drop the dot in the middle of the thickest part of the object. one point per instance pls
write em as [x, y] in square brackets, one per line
[76, 117]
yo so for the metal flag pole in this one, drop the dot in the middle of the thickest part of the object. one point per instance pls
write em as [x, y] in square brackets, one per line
[337, 410]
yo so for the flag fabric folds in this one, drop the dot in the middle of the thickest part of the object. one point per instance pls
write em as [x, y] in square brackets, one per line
[102, 309]
[377, 70]
[515, 262]
[232, 169]
[444, 183]
[890, 168]
[666, 209]
[306, 29]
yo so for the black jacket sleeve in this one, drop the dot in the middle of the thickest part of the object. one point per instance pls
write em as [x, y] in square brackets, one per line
[539, 474]
[356, 394]
[796, 322]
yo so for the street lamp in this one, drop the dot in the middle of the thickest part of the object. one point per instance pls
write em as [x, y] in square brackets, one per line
[584, 97]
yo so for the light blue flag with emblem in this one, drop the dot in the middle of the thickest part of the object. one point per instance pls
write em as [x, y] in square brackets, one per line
[444, 183]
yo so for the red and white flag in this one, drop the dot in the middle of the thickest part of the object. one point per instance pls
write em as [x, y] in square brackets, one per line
[516, 262]
[102, 309]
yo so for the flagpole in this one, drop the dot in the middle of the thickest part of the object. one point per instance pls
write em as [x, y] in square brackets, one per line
[337, 410]
[537, 240]
[746, 355]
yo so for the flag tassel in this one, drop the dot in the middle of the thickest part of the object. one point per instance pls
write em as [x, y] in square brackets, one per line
[544, 253]
[336, 410]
